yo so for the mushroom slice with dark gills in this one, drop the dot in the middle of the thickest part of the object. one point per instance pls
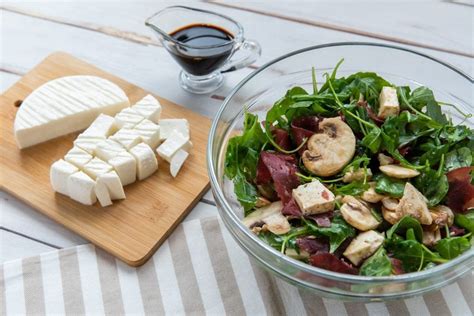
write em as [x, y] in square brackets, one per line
[331, 149]
[358, 214]
[269, 216]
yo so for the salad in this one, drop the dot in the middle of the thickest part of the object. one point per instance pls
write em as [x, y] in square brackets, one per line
[358, 176]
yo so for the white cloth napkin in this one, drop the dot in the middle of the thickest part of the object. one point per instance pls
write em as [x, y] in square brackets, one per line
[198, 270]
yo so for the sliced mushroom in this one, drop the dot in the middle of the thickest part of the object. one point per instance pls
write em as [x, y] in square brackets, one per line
[358, 214]
[413, 203]
[358, 175]
[261, 202]
[331, 149]
[370, 195]
[390, 203]
[295, 255]
[442, 215]
[385, 160]
[271, 217]
[363, 246]
[430, 238]
[389, 210]
[399, 172]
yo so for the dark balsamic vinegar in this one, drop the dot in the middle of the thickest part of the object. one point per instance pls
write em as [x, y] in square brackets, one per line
[206, 48]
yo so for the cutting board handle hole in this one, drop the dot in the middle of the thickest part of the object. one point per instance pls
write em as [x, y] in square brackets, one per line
[18, 103]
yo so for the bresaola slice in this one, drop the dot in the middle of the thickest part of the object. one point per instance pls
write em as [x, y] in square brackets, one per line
[282, 138]
[330, 262]
[281, 169]
[303, 127]
[323, 219]
[291, 209]
[460, 196]
[312, 245]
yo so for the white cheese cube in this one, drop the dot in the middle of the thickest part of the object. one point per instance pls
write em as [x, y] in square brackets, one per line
[127, 137]
[59, 173]
[146, 160]
[177, 162]
[81, 188]
[108, 187]
[128, 118]
[172, 144]
[149, 108]
[126, 167]
[103, 194]
[103, 126]
[88, 142]
[78, 157]
[388, 102]
[314, 198]
[167, 126]
[97, 167]
[363, 246]
[108, 149]
[113, 184]
[149, 132]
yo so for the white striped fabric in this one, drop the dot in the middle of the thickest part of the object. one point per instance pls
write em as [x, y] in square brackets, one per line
[199, 270]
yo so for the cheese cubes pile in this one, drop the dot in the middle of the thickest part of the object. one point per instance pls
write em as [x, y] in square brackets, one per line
[116, 151]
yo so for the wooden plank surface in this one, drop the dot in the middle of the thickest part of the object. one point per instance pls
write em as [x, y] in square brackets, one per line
[130, 229]
[128, 19]
[416, 23]
[105, 40]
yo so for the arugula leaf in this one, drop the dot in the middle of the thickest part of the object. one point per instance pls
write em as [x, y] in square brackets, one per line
[373, 140]
[389, 186]
[242, 151]
[339, 231]
[433, 185]
[452, 247]
[454, 134]
[378, 264]
[414, 255]
[245, 192]
[403, 225]
[457, 158]
[355, 188]
[465, 221]
[433, 110]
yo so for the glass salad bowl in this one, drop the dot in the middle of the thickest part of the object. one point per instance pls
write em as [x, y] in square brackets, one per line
[258, 92]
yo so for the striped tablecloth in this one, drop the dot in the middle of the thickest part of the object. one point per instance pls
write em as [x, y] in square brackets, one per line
[198, 270]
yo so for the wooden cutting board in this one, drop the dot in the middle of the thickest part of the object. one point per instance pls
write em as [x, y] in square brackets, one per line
[130, 229]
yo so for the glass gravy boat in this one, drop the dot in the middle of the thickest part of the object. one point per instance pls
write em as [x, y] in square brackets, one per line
[203, 63]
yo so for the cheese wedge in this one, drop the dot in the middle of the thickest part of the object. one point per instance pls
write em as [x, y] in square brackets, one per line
[167, 126]
[149, 108]
[59, 174]
[146, 160]
[81, 188]
[108, 187]
[108, 149]
[126, 167]
[127, 137]
[96, 168]
[88, 142]
[103, 126]
[128, 118]
[78, 157]
[149, 133]
[65, 105]
[172, 144]
[177, 162]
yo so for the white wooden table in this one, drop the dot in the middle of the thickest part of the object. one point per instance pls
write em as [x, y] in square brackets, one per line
[112, 36]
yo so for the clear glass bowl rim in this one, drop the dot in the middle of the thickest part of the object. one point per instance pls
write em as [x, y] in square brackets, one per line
[219, 195]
